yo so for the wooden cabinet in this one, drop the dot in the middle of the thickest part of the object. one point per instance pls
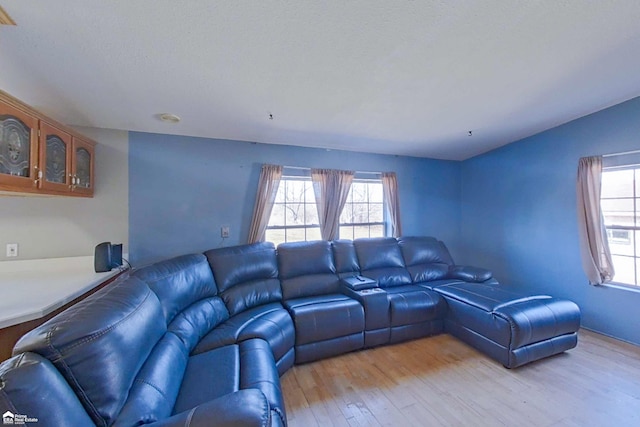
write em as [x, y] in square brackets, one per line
[82, 166]
[18, 148]
[54, 172]
[41, 156]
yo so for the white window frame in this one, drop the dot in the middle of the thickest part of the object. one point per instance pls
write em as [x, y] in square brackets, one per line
[286, 227]
[315, 225]
[633, 230]
[383, 223]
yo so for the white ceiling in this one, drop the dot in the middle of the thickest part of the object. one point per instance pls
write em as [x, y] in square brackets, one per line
[396, 77]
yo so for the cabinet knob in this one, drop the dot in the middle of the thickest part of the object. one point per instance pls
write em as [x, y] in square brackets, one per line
[74, 181]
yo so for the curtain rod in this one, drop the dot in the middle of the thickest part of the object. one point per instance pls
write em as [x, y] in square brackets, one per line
[308, 169]
[621, 154]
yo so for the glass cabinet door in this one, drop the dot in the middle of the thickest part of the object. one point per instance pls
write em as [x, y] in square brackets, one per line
[18, 147]
[82, 180]
[55, 158]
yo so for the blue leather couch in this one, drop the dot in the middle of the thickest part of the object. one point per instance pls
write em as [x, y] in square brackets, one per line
[202, 339]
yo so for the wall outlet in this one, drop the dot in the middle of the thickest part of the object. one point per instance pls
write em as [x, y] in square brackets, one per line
[12, 250]
[225, 231]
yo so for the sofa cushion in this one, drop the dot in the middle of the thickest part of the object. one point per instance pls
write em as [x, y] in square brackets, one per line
[100, 344]
[247, 275]
[239, 264]
[424, 250]
[225, 370]
[156, 387]
[31, 385]
[470, 274]
[427, 258]
[378, 252]
[197, 320]
[179, 282]
[271, 322]
[307, 269]
[485, 297]
[381, 259]
[323, 317]
[412, 304]
[252, 294]
[345, 258]
[209, 375]
[433, 284]
[249, 408]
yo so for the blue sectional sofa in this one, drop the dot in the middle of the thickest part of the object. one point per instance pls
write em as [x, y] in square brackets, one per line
[202, 339]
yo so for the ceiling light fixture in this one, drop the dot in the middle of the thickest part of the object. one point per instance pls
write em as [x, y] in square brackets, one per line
[168, 118]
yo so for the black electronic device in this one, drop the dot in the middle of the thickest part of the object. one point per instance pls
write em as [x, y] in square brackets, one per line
[107, 256]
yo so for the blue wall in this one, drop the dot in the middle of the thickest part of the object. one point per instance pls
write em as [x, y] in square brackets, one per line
[182, 189]
[519, 215]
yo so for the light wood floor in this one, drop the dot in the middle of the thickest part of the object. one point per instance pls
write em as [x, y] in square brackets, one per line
[440, 381]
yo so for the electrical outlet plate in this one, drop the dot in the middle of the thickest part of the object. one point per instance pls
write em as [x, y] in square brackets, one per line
[12, 250]
[225, 231]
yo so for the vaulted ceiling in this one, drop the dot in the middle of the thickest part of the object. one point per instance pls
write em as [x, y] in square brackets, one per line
[397, 77]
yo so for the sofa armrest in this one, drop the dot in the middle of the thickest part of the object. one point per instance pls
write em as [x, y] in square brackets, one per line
[470, 274]
[358, 283]
[247, 407]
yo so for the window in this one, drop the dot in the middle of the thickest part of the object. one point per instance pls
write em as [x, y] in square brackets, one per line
[620, 202]
[295, 216]
[363, 214]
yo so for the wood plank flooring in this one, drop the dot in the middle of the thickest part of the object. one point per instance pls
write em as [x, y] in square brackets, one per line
[440, 381]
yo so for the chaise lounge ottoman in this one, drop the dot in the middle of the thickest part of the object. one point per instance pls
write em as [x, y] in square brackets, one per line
[511, 328]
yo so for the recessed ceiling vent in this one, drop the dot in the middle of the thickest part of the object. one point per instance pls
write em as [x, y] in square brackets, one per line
[5, 19]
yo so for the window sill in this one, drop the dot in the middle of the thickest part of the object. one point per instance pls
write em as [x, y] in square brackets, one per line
[622, 286]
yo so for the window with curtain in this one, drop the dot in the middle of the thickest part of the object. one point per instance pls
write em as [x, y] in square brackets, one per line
[363, 213]
[294, 216]
[620, 203]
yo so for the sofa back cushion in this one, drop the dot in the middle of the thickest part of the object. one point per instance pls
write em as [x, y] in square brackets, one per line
[179, 282]
[345, 258]
[100, 344]
[426, 258]
[307, 269]
[247, 275]
[31, 385]
[380, 258]
[155, 389]
[197, 320]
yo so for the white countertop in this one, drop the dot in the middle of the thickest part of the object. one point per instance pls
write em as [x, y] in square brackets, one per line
[31, 289]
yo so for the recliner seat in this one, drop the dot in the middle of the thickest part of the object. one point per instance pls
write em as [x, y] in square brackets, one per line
[327, 322]
[247, 277]
[413, 310]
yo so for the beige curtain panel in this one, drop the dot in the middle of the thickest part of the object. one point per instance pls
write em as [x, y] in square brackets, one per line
[331, 188]
[267, 188]
[390, 190]
[594, 247]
